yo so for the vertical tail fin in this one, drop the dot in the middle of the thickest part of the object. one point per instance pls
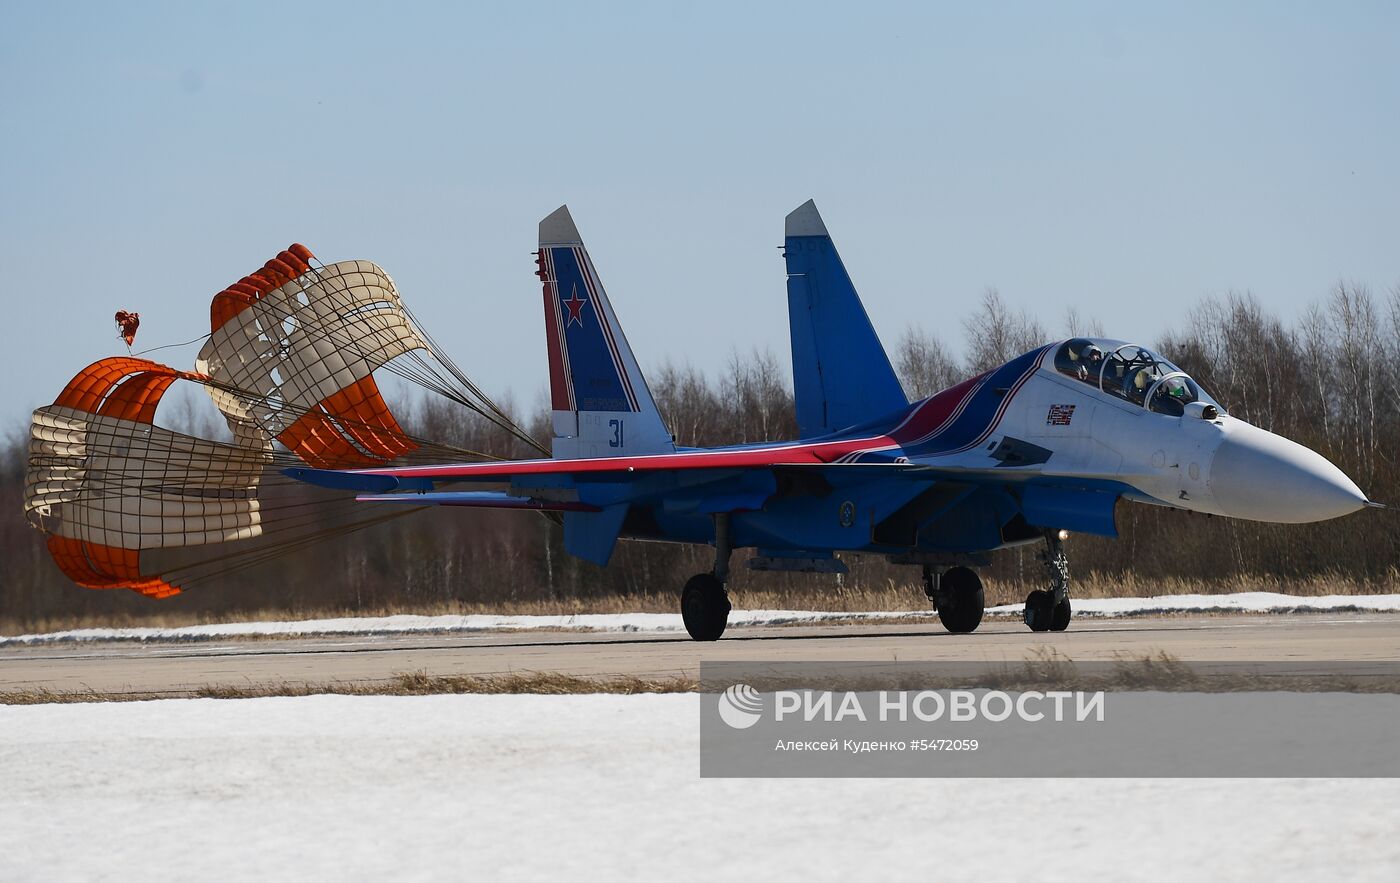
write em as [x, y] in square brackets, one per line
[602, 406]
[840, 373]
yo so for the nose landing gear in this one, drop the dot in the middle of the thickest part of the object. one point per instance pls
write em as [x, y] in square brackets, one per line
[1049, 610]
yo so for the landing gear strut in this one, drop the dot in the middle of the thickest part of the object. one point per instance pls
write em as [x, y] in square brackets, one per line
[704, 602]
[1049, 610]
[957, 595]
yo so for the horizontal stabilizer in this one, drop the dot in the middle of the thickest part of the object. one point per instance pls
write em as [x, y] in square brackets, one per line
[363, 482]
[479, 500]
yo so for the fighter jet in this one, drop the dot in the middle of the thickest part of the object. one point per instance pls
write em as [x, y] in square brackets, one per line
[1043, 446]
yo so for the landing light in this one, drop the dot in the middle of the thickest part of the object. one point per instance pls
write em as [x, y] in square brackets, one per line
[1064, 534]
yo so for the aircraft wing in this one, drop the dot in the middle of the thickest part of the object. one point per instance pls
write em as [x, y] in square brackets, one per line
[594, 494]
[417, 484]
[423, 478]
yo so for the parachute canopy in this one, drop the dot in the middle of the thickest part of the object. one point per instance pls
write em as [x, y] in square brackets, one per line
[296, 349]
[105, 483]
[291, 360]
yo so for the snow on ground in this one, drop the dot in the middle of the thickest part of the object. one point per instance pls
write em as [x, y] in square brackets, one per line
[385, 625]
[1244, 602]
[1239, 602]
[601, 787]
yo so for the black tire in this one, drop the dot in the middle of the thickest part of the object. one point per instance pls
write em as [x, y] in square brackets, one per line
[1040, 607]
[1060, 616]
[704, 607]
[962, 600]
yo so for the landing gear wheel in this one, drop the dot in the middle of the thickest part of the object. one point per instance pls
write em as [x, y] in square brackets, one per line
[960, 600]
[1040, 610]
[1049, 610]
[704, 607]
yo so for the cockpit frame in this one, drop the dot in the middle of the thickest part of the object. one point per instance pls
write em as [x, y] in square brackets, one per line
[1147, 379]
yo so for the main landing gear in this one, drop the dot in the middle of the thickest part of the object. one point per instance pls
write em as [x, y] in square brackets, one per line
[957, 595]
[704, 602]
[1049, 610]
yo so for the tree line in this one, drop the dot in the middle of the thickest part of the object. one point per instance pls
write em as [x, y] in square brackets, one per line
[1329, 380]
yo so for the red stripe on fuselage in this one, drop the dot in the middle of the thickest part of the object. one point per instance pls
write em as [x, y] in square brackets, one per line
[799, 454]
[936, 412]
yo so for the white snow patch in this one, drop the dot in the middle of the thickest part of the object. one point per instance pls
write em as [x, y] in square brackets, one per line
[391, 625]
[602, 788]
[1240, 602]
[1245, 602]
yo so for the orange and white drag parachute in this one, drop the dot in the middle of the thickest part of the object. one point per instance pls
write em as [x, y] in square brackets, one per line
[290, 360]
[294, 349]
[107, 484]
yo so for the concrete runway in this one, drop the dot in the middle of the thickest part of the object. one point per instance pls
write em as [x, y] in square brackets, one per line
[1323, 640]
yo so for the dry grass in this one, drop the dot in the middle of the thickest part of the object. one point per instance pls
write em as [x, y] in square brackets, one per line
[418, 683]
[1047, 670]
[891, 597]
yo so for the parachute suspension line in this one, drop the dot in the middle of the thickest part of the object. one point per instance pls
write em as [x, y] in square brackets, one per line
[475, 398]
[427, 451]
[326, 320]
[427, 375]
[169, 346]
[243, 559]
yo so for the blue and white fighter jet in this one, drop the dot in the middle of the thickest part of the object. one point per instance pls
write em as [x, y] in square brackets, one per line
[1049, 443]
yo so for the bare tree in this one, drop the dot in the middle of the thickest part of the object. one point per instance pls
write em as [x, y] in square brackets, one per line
[1356, 337]
[996, 335]
[756, 396]
[1077, 326]
[924, 364]
[687, 403]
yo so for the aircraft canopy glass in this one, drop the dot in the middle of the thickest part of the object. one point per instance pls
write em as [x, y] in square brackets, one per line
[1131, 372]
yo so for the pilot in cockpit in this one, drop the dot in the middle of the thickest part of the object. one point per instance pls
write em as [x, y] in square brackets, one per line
[1090, 361]
[1171, 397]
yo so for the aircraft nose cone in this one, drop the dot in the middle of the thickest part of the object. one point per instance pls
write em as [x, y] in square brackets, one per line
[1264, 477]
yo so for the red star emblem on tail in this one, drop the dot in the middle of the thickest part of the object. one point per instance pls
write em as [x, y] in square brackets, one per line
[575, 305]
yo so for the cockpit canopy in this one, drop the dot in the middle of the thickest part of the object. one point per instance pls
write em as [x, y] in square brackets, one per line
[1131, 372]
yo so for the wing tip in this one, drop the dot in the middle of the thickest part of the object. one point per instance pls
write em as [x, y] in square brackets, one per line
[558, 228]
[805, 220]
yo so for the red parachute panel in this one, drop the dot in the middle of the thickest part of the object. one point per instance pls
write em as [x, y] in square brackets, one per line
[95, 566]
[327, 437]
[289, 263]
[125, 389]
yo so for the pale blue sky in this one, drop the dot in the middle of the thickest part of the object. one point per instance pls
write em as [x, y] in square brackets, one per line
[1122, 158]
